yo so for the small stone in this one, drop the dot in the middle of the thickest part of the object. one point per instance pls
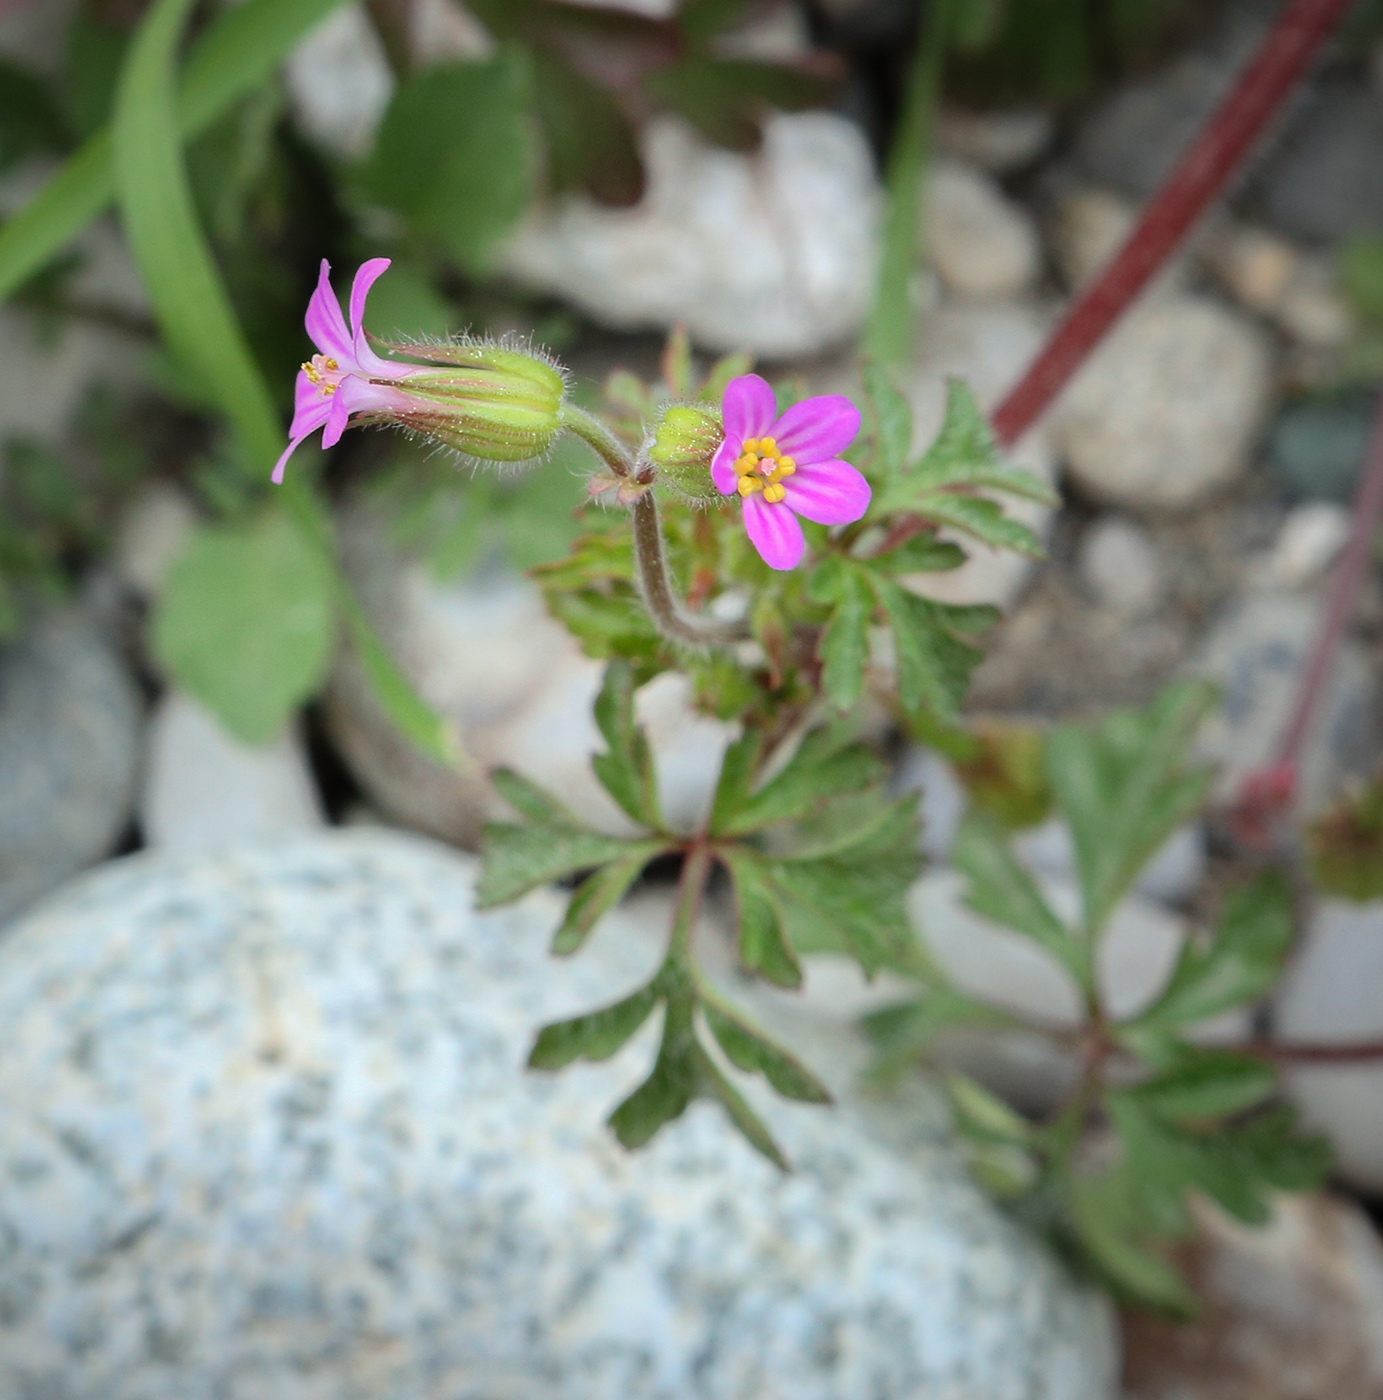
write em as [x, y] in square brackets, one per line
[776, 32]
[1091, 226]
[203, 788]
[981, 243]
[268, 1131]
[151, 533]
[1120, 565]
[1293, 1310]
[773, 253]
[1165, 411]
[69, 751]
[943, 801]
[1331, 995]
[998, 142]
[1317, 451]
[1255, 265]
[1255, 654]
[1306, 545]
[1313, 311]
[340, 83]
[1322, 181]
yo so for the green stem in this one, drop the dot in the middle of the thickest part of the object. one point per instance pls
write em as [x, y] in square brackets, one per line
[600, 439]
[696, 870]
[889, 334]
[655, 584]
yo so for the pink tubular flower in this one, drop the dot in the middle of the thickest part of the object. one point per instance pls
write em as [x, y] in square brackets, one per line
[494, 402]
[788, 466]
[343, 378]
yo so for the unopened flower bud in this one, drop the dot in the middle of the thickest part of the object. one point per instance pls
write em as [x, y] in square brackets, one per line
[684, 442]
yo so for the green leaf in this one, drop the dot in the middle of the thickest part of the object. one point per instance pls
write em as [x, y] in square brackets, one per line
[1005, 774]
[1269, 1148]
[1123, 786]
[844, 647]
[748, 1049]
[591, 144]
[764, 945]
[247, 623]
[530, 800]
[921, 554]
[677, 1076]
[713, 1084]
[933, 664]
[597, 894]
[1002, 889]
[597, 1035]
[1241, 963]
[1208, 1084]
[455, 154]
[237, 51]
[190, 302]
[903, 1033]
[977, 516]
[626, 771]
[521, 858]
[737, 769]
[1106, 1215]
[982, 1114]
[892, 421]
[823, 767]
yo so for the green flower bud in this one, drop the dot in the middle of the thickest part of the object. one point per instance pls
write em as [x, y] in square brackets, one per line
[491, 402]
[685, 440]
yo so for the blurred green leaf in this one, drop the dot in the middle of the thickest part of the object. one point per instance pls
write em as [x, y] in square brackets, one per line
[1346, 846]
[591, 143]
[455, 154]
[713, 1084]
[521, 858]
[598, 894]
[934, 665]
[1124, 785]
[30, 123]
[626, 769]
[844, 646]
[764, 945]
[981, 1113]
[595, 1036]
[1207, 1085]
[676, 1078]
[1006, 773]
[237, 51]
[750, 1050]
[246, 623]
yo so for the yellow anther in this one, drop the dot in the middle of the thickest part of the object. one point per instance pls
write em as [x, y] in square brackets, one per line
[751, 444]
[333, 365]
[773, 492]
[312, 372]
[748, 462]
[749, 484]
[767, 447]
[786, 466]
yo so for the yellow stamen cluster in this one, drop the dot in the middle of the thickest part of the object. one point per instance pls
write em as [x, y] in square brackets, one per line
[762, 467]
[318, 367]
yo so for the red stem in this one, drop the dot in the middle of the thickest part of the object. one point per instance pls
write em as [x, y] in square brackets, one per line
[1281, 61]
[1345, 1053]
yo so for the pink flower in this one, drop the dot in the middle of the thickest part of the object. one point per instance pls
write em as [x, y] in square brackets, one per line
[788, 466]
[345, 378]
[491, 402]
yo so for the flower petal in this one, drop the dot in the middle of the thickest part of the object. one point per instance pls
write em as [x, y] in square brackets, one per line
[830, 493]
[817, 429]
[325, 323]
[750, 408]
[774, 531]
[369, 362]
[723, 471]
[310, 407]
[295, 442]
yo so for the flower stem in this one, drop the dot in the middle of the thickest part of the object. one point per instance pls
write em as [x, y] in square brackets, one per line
[656, 584]
[600, 439]
[696, 870]
[1281, 61]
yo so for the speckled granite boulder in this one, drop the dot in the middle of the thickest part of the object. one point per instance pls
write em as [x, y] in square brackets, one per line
[265, 1135]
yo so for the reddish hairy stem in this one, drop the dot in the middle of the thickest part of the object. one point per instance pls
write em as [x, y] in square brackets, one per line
[1283, 58]
[1312, 1053]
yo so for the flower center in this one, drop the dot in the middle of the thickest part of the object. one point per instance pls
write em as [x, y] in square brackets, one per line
[319, 369]
[761, 467]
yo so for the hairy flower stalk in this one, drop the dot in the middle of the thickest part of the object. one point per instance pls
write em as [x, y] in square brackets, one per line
[489, 402]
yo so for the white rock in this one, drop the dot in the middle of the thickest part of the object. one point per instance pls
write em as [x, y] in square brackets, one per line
[44, 376]
[1313, 311]
[1292, 1310]
[772, 33]
[1306, 545]
[268, 1133]
[773, 253]
[981, 242]
[1255, 654]
[995, 141]
[441, 30]
[1091, 226]
[340, 83]
[1255, 265]
[204, 789]
[1121, 567]
[1164, 413]
[944, 799]
[988, 345]
[517, 689]
[1332, 994]
[151, 533]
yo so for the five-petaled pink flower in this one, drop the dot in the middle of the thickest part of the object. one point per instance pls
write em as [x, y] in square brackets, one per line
[788, 466]
[342, 380]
